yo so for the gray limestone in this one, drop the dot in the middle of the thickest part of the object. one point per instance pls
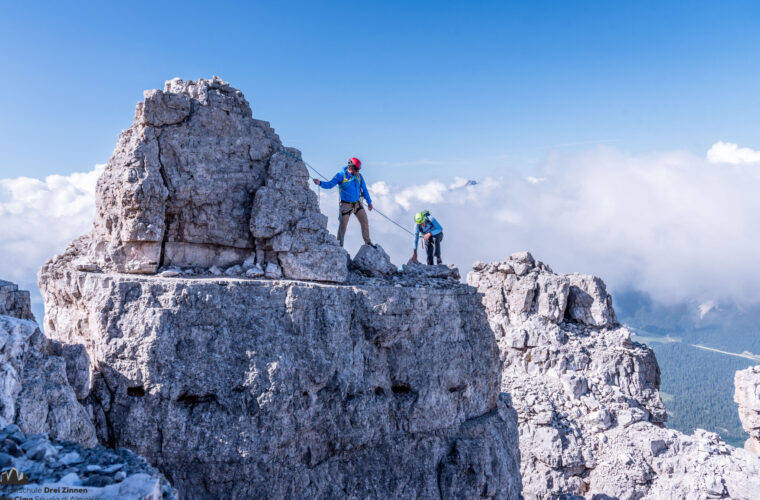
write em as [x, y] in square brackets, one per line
[41, 381]
[197, 181]
[373, 261]
[437, 271]
[14, 302]
[257, 364]
[589, 410]
[747, 396]
[241, 388]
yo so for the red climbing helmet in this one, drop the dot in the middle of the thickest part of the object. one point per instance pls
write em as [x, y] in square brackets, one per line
[356, 162]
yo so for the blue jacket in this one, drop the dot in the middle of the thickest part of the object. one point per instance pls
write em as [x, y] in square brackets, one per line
[429, 226]
[351, 186]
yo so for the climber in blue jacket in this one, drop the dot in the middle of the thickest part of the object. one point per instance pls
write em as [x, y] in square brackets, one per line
[432, 233]
[352, 187]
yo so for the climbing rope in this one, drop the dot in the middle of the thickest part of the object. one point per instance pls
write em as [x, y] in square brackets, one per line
[325, 178]
[393, 221]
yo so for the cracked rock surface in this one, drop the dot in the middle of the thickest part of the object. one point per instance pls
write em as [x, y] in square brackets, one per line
[373, 262]
[42, 381]
[218, 356]
[242, 388]
[589, 411]
[15, 302]
[747, 396]
[230, 344]
[197, 181]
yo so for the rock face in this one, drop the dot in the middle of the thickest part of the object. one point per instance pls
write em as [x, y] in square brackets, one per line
[14, 302]
[41, 381]
[747, 396]
[92, 473]
[196, 181]
[243, 388]
[589, 410]
[373, 261]
[238, 385]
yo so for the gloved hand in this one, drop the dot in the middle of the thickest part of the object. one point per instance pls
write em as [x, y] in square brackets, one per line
[316, 181]
[414, 257]
[428, 236]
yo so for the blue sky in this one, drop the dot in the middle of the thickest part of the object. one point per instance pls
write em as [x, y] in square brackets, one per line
[594, 128]
[478, 87]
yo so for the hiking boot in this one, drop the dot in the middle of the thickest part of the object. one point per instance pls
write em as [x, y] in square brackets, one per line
[439, 261]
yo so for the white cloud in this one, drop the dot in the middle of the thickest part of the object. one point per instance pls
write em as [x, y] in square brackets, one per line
[669, 224]
[39, 218]
[728, 152]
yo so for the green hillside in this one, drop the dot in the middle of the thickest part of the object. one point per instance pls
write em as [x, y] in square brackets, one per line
[698, 389]
[697, 384]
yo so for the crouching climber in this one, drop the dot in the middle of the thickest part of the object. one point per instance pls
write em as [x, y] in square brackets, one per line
[432, 233]
[352, 188]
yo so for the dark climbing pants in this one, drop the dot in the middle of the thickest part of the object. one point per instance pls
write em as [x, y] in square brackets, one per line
[433, 246]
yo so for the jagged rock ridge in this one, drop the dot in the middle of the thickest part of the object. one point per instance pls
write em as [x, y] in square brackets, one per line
[589, 410]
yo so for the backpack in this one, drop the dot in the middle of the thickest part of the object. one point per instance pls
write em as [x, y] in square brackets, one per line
[347, 179]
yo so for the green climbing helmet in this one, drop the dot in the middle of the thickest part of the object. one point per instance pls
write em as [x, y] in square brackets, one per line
[419, 217]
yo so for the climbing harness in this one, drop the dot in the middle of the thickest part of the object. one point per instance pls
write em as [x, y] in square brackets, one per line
[344, 180]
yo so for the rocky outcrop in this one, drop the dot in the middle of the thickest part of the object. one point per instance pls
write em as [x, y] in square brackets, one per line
[589, 410]
[242, 388]
[42, 381]
[373, 261]
[237, 384]
[15, 302]
[423, 271]
[197, 182]
[747, 396]
[53, 469]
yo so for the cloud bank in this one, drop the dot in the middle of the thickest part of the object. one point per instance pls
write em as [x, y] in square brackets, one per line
[674, 225]
[38, 218]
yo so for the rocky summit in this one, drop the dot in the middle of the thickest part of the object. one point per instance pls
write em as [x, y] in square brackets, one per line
[590, 414]
[231, 346]
[234, 345]
[196, 181]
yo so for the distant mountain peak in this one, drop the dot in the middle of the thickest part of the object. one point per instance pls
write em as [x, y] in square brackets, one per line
[706, 307]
